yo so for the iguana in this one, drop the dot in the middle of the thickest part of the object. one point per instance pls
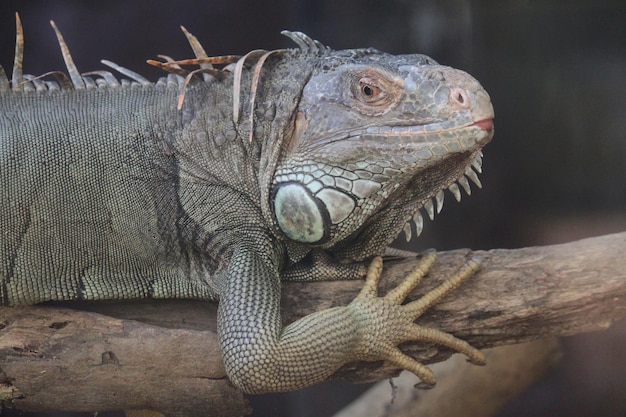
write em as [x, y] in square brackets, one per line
[221, 182]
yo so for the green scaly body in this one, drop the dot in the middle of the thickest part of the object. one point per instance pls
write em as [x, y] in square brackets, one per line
[289, 165]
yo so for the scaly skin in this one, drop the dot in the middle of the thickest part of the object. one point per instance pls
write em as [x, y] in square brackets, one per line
[289, 165]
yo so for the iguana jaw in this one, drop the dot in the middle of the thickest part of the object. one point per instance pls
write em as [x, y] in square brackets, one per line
[423, 193]
[433, 203]
[315, 193]
[459, 178]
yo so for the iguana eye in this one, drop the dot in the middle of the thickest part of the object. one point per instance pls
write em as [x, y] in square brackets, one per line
[373, 92]
[369, 91]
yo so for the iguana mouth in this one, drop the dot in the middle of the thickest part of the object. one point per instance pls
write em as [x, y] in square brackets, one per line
[433, 204]
[485, 124]
[420, 133]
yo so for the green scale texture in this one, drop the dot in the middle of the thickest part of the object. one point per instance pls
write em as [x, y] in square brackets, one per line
[112, 192]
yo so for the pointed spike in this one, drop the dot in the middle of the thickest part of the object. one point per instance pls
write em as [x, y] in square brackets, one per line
[419, 222]
[439, 198]
[477, 163]
[61, 78]
[305, 42]
[75, 76]
[125, 71]
[198, 51]
[216, 60]
[169, 59]
[179, 79]
[53, 86]
[174, 81]
[454, 189]
[310, 42]
[295, 37]
[188, 78]
[237, 87]
[28, 86]
[430, 209]
[36, 82]
[171, 67]
[255, 84]
[17, 76]
[4, 81]
[407, 231]
[108, 78]
[183, 87]
[237, 81]
[320, 45]
[90, 82]
[473, 177]
[196, 46]
[463, 182]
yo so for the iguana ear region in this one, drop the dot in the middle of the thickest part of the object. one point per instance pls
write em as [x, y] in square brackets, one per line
[300, 215]
[310, 213]
[312, 202]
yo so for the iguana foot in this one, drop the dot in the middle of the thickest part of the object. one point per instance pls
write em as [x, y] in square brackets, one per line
[384, 322]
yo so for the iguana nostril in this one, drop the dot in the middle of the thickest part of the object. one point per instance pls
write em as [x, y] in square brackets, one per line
[459, 97]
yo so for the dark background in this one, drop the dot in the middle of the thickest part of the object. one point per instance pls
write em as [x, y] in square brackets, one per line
[555, 171]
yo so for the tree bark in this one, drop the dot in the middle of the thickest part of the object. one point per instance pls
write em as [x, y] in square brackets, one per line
[462, 389]
[163, 355]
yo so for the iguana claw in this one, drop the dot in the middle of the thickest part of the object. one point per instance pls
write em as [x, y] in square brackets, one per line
[385, 322]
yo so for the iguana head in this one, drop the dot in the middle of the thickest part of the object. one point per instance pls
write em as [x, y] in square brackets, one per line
[376, 138]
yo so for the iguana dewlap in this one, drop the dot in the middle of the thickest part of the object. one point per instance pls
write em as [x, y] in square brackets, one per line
[220, 182]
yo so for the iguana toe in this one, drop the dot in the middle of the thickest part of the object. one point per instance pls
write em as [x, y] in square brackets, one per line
[384, 322]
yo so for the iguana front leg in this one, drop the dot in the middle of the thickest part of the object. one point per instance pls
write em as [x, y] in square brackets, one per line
[261, 356]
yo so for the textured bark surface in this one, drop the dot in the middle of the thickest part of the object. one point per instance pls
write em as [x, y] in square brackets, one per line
[477, 391]
[164, 355]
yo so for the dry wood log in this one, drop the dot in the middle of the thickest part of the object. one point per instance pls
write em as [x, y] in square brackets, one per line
[164, 355]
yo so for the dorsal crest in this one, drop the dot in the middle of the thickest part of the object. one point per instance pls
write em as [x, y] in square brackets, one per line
[209, 68]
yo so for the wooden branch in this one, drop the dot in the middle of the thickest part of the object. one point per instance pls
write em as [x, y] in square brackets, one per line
[160, 355]
[478, 391]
